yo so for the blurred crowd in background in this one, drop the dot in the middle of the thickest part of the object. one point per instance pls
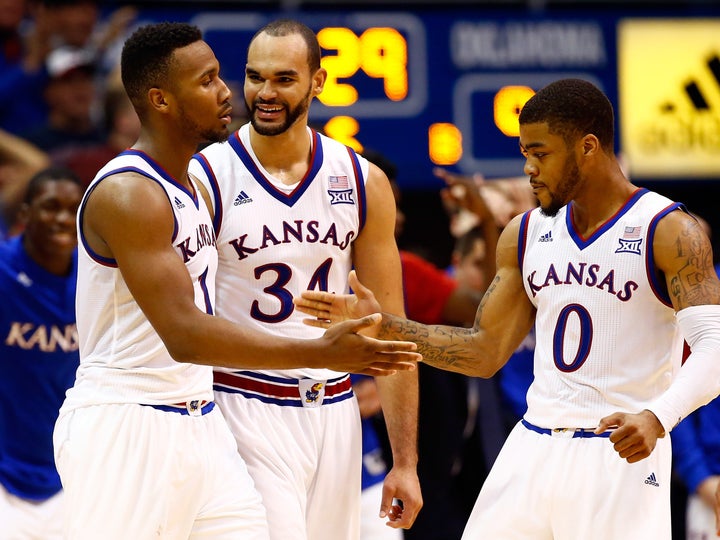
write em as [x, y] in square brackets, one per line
[62, 105]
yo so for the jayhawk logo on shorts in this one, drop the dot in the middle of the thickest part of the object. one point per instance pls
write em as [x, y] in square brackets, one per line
[311, 395]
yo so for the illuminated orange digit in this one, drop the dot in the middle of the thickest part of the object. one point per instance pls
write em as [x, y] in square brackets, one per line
[506, 108]
[344, 129]
[444, 143]
[383, 54]
[343, 65]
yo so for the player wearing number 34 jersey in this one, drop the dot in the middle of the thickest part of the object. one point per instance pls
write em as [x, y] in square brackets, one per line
[274, 241]
[296, 210]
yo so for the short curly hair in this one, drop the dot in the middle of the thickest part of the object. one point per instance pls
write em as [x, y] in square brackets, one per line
[572, 108]
[147, 55]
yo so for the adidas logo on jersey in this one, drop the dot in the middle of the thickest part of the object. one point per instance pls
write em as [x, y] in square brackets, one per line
[651, 480]
[547, 237]
[178, 203]
[242, 198]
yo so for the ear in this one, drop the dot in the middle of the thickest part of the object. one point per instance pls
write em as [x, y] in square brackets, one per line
[590, 145]
[157, 98]
[319, 81]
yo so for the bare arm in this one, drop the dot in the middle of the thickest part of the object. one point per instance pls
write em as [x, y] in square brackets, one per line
[504, 318]
[464, 192]
[684, 254]
[139, 237]
[19, 161]
[377, 263]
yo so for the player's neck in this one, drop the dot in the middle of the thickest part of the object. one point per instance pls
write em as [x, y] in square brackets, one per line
[286, 156]
[173, 156]
[600, 201]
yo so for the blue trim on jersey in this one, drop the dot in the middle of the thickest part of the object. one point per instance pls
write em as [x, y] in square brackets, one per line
[289, 199]
[110, 261]
[162, 173]
[360, 183]
[215, 191]
[581, 242]
[522, 237]
[653, 275]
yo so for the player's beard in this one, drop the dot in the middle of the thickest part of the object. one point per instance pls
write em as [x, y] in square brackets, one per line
[208, 135]
[291, 116]
[565, 190]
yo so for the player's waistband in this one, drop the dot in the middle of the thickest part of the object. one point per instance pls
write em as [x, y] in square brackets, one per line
[193, 407]
[567, 433]
[283, 391]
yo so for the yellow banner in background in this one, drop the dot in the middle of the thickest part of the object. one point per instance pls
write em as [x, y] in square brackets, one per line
[669, 97]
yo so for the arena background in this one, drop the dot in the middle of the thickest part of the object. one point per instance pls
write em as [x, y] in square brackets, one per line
[440, 83]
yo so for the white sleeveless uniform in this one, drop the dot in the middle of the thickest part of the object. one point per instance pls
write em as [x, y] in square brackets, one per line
[136, 423]
[298, 430]
[607, 341]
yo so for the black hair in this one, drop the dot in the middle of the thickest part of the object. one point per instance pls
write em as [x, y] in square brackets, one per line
[286, 27]
[572, 108]
[147, 55]
[50, 174]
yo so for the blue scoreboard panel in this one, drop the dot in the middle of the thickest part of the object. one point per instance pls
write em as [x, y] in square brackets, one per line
[431, 88]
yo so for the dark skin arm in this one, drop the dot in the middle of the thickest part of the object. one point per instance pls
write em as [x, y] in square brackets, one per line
[139, 238]
[502, 321]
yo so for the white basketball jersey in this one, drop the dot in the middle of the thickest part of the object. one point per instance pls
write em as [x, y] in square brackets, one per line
[606, 335]
[122, 358]
[275, 241]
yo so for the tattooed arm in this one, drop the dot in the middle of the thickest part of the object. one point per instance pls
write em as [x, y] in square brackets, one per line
[503, 319]
[684, 254]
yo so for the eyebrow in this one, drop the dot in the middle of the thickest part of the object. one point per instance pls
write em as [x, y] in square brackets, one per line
[283, 73]
[531, 145]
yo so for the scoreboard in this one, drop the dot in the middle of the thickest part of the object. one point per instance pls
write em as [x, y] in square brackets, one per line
[444, 87]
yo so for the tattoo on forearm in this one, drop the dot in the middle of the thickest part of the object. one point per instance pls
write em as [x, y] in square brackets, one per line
[445, 347]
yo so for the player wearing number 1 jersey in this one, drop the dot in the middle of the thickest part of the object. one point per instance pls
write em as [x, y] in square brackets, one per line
[141, 448]
[296, 210]
[613, 276]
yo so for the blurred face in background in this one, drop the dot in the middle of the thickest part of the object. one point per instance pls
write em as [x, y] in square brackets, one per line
[48, 221]
[73, 23]
[70, 99]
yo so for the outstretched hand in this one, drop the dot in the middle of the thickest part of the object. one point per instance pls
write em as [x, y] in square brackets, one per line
[635, 435]
[347, 351]
[329, 308]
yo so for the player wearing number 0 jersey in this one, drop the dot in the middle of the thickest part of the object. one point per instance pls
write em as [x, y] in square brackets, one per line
[589, 294]
[274, 241]
[590, 360]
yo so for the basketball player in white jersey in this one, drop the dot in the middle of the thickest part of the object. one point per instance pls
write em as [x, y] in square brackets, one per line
[141, 450]
[614, 277]
[296, 210]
